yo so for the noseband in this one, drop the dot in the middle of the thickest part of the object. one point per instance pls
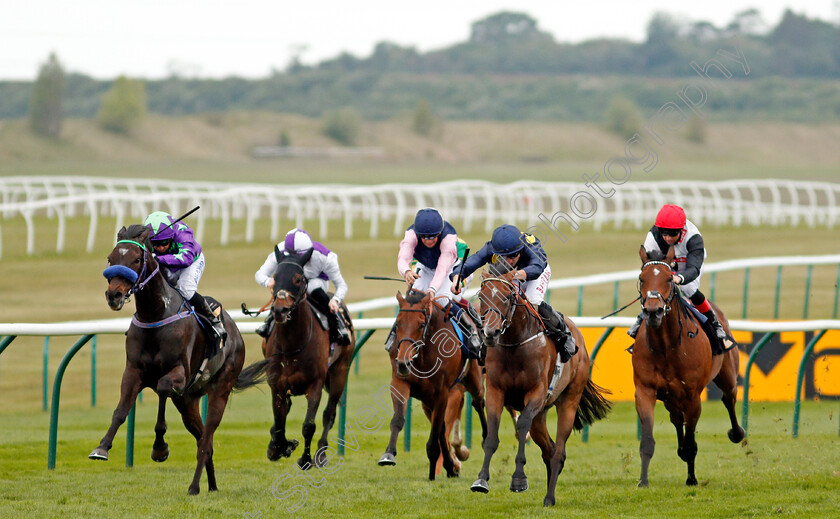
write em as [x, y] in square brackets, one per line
[296, 298]
[511, 297]
[653, 293]
[129, 273]
[427, 317]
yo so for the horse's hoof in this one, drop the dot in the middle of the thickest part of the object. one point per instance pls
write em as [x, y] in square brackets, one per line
[321, 459]
[462, 453]
[691, 481]
[642, 484]
[291, 445]
[160, 455]
[304, 462]
[193, 491]
[548, 501]
[480, 485]
[98, 454]
[453, 474]
[518, 484]
[387, 460]
[736, 435]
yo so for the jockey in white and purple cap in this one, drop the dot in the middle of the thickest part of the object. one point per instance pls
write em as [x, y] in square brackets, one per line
[321, 268]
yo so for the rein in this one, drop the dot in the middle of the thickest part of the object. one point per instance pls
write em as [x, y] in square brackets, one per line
[115, 270]
[427, 318]
[513, 297]
[657, 295]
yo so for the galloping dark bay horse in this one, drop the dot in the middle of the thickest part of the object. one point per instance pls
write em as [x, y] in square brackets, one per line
[427, 363]
[164, 348]
[300, 362]
[673, 362]
[524, 372]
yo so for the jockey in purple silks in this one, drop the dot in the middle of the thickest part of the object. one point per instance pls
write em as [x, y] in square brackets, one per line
[321, 268]
[182, 264]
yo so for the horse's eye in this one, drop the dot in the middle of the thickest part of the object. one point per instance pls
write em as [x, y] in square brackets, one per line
[137, 261]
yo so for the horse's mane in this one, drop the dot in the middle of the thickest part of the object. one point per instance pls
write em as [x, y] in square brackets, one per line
[414, 296]
[133, 232]
[656, 255]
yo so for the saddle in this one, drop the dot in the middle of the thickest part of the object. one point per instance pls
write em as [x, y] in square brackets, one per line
[322, 319]
[209, 366]
[719, 346]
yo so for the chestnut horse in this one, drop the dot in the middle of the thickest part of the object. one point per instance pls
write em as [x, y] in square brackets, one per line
[673, 362]
[426, 362]
[164, 348]
[521, 365]
[300, 362]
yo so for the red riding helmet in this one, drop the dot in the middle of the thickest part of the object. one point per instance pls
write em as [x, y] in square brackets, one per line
[670, 217]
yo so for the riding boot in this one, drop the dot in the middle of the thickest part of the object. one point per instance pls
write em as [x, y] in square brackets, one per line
[474, 340]
[557, 331]
[264, 330]
[635, 328]
[722, 342]
[219, 334]
[479, 328]
[342, 332]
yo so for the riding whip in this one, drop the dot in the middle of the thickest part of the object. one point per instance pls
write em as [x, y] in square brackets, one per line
[381, 278]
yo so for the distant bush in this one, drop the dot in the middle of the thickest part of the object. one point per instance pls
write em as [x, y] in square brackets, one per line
[623, 117]
[424, 121]
[343, 126]
[45, 112]
[123, 106]
[695, 129]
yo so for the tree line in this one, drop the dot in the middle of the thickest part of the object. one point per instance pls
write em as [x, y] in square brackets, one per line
[508, 69]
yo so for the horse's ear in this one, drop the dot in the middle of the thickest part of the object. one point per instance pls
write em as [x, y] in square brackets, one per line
[144, 236]
[305, 258]
[643, 254]
[669, 258]
[121, 233]
[400, 298]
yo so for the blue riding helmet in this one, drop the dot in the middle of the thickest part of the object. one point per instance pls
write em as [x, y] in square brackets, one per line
[428, 222]
[506, 240]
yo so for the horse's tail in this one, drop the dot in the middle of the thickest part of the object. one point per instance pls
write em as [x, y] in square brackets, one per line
[593, 405]
[251, 376]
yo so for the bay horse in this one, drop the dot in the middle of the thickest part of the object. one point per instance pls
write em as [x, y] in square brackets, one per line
[300, 363]
[427, 363]
[673, 362]
[524, 372]
[164, 348]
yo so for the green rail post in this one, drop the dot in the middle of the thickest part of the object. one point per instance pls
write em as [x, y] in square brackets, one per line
[585, 434]
[712, 285]
[615, 295]
[93, 372]
[807, 291]
[778, 292]
[129, 437]
[799, 378]
[746, 291]
[342, 403]
[204, 404]
[56, 397]
[836, 294]
[45, 388]
[580, 300]
[745, 405]
[355, 357]
[407, 429]
[468, 418]
[6, 341]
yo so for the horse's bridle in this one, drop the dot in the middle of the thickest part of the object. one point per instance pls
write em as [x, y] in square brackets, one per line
[511, 298]
[137, 285]
[296, 298]
[427, 317]
[653, 293]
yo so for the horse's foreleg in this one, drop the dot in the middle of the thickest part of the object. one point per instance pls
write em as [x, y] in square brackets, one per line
[438, 444]
[336, 389]
[645, 402]
[494, 406]
[400, 393]
[129, 388]
[533, 405]
[204, 456]
[454, 410]
[278, 446]
[313, 400]
[727, 381]
[688, 449]
[170, 383]
[475, 385]
[539, 433]
[566, 412]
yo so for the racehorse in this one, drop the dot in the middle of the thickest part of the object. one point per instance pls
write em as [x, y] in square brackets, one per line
[673, 362]
[523, 371]
[300, 362]
[427, 362]
[164, 348]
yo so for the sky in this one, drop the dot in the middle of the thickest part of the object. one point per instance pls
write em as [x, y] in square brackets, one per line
[249, 38]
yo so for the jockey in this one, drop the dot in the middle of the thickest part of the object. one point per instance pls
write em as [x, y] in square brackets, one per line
[672, 229]
[434, 243]
[321, 268]
[182, 264]
[524, 253]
